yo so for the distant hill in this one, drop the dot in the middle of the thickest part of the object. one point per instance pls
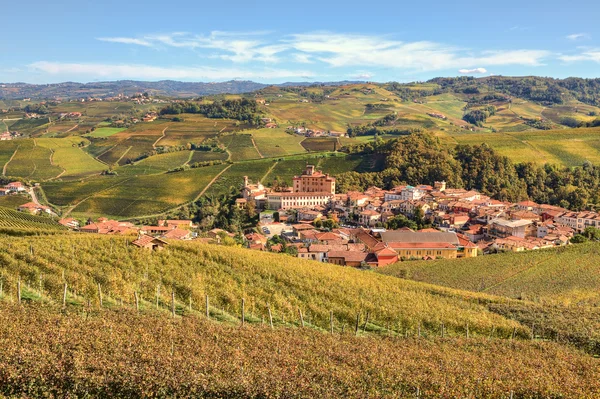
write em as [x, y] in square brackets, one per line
[170, 88]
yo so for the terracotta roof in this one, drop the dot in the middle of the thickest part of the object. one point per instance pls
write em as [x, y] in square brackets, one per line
[144, 240]
[349, 256]
[177, 234]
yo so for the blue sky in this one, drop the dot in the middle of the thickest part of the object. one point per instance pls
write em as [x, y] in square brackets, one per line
[268, 41]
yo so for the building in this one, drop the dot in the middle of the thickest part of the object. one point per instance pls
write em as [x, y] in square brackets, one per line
[149, 242]
[579, 220]
[312, 181]
[503, 228]
[298, 200]
[423, 244]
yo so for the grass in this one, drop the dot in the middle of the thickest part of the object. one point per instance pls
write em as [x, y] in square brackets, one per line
[205, 156]
[105, 131]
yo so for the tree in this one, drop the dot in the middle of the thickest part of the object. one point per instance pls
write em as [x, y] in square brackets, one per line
[578, 239]
[591, 233]
[400, 221]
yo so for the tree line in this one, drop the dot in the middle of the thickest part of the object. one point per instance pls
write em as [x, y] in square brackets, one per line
[240, 109]
[420, 158]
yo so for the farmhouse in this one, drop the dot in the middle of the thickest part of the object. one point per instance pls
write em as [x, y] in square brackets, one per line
[149, 242]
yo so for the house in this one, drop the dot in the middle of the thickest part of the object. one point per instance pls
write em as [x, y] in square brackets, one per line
[70, 223]
[369, 218]
[16, 186]
[178, 234]
[176, 223]
[422, 244]
[502, 228]
[149, 242]
[34, 209]
[347, 258]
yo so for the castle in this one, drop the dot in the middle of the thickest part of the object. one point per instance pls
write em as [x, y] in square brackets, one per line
[311, 188]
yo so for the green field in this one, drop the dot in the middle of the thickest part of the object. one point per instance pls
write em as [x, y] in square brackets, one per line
[13, 201]
[105, 131]
[32, 161]
[206, 156]
[156, 164]
[276, 142]
[147, 195]
[570, 147]
[11, 219]
[240, 146]
[69, 156]
[232, 179]
[566, 276]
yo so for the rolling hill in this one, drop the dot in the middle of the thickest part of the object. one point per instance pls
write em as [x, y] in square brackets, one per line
[109, 349]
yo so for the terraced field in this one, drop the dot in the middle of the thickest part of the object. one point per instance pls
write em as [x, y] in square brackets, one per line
[232, 179]
[276, 142]
[156, 164]
[317, 144]
[11, 219]
[147, 195]
[70, 157]
[33, 162]
[570, 147]
[204, 156]
[70, 193]
[240, 146]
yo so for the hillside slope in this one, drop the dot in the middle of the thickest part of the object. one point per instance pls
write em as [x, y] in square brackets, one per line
[122, 354]
[568, 275]
[228, 275]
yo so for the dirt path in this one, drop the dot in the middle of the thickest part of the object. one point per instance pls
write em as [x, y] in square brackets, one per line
[187, 203]
[11, 158]
[264, 178]
[160, 138]
[256, 148]
[211, 183]
[122, 155]
[33, 195]
[74, 127]
[189, 158]
[68, 211]
[52, 163]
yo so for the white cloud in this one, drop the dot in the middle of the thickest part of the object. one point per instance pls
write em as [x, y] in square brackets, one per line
[588, 55]
[578, 36]
[126, 40]
[472, 71]
[337, 50]
[119, 71]
[362, 76]
[232, 46]
[340, 50]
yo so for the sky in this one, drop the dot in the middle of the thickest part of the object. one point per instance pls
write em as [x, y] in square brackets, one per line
[274, 42]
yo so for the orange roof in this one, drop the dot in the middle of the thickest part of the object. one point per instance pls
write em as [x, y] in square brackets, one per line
[421, 245]
[177, 234]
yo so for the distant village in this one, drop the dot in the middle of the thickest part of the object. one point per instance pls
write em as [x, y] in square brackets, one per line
[349, 228]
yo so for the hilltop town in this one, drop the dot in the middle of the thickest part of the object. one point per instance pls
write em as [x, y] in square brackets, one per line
[365, 229]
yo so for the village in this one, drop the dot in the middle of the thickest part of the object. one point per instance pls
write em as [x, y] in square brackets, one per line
[364, 229]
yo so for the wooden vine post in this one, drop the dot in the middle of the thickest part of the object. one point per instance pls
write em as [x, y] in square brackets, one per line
[100, 294]
[207, 308]
[19, 290]
[301, 317]
[331, 320]
[137, 301]
[357, 322]
[270, 315]
[64, 301]
[173, 303]
[243, 311]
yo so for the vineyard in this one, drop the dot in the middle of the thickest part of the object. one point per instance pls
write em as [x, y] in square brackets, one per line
[122, 354]
[565, 276]
[13, 220]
